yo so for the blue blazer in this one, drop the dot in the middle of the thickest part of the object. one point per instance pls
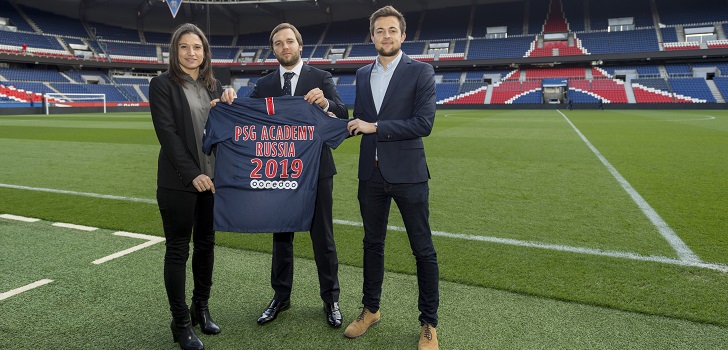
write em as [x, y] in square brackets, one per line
[405, 117]
[311, 77]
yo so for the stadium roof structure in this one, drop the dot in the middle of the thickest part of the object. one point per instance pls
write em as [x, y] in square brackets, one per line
[228, 16]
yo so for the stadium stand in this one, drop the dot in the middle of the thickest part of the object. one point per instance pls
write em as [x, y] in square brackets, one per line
[722, 84]
[449, 23]
[511, 17]
[640, 40]
[479, 32]
[696, 88]
[601, 11]
[692, 12]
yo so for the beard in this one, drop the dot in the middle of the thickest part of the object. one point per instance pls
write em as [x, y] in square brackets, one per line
[291, 62]
[394, 51]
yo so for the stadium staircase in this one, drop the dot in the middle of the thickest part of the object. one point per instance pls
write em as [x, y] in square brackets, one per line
[714, 90]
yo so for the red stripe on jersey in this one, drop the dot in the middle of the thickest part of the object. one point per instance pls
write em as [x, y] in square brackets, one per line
[269, 105]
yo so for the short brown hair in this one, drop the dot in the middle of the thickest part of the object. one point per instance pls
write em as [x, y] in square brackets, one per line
[175, 72]
[282, 26]
[387, 11]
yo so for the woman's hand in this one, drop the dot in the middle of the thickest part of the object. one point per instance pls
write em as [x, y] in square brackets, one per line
[203, 183]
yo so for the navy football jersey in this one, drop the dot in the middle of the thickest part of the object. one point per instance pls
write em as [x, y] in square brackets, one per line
[267, 161]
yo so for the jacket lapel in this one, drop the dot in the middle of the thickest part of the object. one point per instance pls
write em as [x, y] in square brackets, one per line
[367, 88]
[399, 72]
[277, 83]
[300, 88]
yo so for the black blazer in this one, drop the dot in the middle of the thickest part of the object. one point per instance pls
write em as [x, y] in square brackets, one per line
[406, 116]
[311, 78]
[178, 162]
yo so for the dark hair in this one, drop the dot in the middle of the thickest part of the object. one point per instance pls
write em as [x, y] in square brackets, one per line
[282, 26]
[175, 72]
[387, 11]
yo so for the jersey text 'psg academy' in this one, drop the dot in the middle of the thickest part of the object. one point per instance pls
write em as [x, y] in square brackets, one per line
[267, 161]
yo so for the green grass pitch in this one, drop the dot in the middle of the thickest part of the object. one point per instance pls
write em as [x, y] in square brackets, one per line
[540, 244]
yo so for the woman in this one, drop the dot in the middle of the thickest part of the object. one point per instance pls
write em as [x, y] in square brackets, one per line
[179, 100]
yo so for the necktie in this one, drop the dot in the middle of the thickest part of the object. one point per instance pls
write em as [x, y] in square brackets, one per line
[287, 83]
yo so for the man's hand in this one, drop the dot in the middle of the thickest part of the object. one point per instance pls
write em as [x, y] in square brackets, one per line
[317, 96]
[227, 97]
[358, 126]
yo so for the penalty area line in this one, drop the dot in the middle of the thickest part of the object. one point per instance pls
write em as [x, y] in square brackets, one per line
[151, 240]
[25, 288]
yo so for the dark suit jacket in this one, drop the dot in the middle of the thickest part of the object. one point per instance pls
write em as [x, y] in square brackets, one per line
[311, 77]
[406, 115]
[178, 162]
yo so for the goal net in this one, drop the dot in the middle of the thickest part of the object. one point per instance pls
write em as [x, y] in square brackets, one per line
[92, 103]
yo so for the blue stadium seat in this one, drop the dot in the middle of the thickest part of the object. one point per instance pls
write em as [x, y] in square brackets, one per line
[51, 23]
[581, 96]
[601, 11]
[7, 10]
[348, 32]
[510, 15]
[692, 12]
[499, 48]
[692, 87]
[445, 90]
[445, 23]
[28, 74]
[530, 97]
[641, 40]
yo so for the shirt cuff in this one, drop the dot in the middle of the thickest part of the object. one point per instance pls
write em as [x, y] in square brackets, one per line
[327, 105]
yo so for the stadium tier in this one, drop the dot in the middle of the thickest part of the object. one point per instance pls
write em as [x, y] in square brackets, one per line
[478, 33]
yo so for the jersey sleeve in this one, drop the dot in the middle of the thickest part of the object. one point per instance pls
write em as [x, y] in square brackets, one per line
[332, 131]
[218, 127]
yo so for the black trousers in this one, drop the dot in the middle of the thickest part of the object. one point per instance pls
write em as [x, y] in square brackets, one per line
[375, 197]
[185, 215]
[324, 250]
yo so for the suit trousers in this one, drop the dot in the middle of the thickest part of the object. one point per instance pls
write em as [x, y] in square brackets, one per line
[375, 197]
[186, 215]
[324, 250]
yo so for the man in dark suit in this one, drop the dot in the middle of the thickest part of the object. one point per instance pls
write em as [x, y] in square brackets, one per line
[293, 77]
[395, 109]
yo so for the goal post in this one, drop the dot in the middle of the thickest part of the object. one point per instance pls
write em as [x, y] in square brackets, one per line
[59, 100]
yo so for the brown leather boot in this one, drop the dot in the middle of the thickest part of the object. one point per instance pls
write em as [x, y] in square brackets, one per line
[428, 338]
[362, 322]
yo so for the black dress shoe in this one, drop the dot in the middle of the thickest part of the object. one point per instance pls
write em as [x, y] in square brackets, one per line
[275, 307]
[199, 313]
[183, 334]
[333, 314]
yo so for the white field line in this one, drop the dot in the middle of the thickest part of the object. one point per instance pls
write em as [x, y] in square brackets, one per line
[75, 227]
[590, 251]
[561, 248]
[18, 218]
[85, 194]
[151, 240]
[683, 251]
[25, 288]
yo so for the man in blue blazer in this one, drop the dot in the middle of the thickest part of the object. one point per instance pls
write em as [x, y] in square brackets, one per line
[317, 86]
[395, 109]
